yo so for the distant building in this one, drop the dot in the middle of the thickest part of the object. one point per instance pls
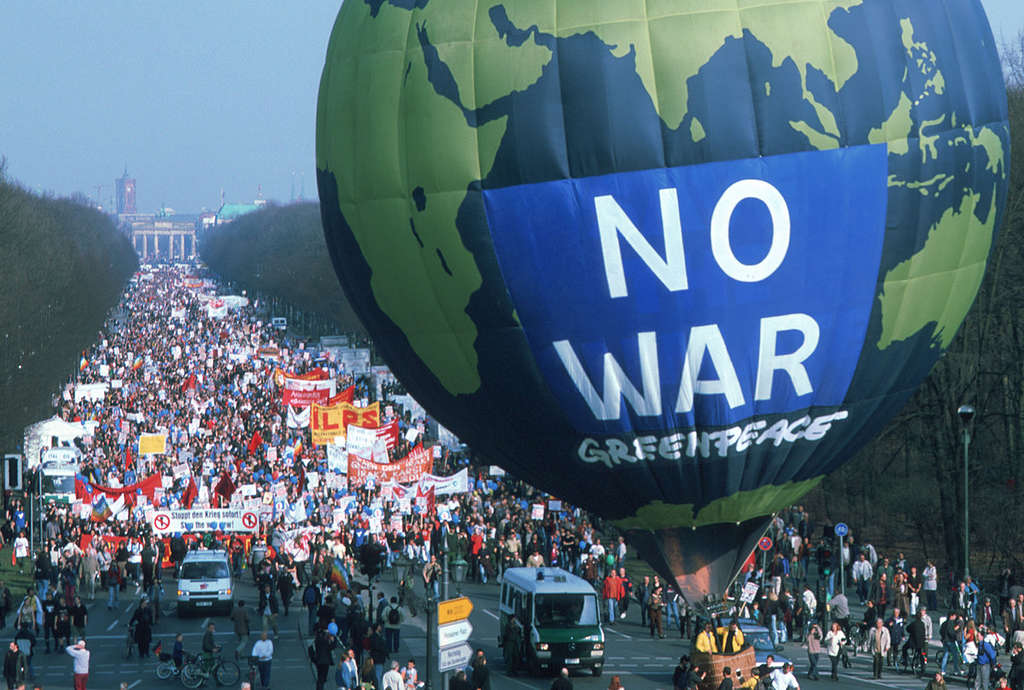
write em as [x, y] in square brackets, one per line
[230, 212]
[124, 188]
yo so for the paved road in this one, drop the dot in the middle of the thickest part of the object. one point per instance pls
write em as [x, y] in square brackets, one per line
[641, 661]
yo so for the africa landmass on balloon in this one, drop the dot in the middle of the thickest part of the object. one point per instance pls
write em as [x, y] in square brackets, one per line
[429, 110]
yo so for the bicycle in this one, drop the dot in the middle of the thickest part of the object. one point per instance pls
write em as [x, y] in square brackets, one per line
[253, 672]
[223, 671]
[130, 643]
[166, 668]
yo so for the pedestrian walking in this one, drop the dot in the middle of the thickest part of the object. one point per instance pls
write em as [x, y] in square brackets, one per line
[240, 619]
[813, 646]
[263, 650]
[80, 655]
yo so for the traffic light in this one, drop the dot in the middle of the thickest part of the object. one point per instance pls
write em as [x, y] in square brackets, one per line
[371, 556]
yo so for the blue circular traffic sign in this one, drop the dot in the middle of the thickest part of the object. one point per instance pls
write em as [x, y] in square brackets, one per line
[842, 529]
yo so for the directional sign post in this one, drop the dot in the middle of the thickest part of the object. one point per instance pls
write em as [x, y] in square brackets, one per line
[453, 633]
[842, 529]
[454, 657]
[453, 610]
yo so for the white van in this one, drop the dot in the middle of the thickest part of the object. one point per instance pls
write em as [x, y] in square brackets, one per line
[204, 583]
[560, 616]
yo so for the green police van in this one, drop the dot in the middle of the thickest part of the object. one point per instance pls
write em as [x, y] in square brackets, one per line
[560, 617]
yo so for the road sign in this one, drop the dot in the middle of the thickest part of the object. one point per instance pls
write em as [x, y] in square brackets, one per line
[452, 610]
[842, 529]
[765, 544]
[453, 633]
[454, 657]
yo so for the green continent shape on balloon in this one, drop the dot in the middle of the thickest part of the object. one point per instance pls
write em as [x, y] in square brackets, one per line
[390, 134]
[664, 63]
[739, 507]
[938, 284]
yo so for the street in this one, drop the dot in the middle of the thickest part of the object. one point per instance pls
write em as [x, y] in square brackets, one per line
[640, 661]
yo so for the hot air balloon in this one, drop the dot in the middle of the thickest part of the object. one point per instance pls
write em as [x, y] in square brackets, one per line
[671, 263]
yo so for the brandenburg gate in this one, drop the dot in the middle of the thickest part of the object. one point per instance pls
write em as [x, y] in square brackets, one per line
[164, 239]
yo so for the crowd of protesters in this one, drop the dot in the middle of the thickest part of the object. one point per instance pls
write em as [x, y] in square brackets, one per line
[173, 360]
[179, 364]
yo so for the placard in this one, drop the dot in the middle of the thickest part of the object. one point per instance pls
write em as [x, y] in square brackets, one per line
[537, 511]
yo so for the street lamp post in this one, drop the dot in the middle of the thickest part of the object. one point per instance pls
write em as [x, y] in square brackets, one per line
[966, 414]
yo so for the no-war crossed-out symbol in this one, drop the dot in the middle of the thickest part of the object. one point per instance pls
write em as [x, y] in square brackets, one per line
[161, 521]
[249, 520]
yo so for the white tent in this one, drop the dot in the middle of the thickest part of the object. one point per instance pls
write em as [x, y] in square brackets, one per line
[39, 436]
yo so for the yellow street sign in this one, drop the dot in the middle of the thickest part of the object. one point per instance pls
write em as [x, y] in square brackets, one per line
[453, 610]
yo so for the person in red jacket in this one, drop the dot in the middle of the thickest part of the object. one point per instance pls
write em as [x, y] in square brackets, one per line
[613, 592]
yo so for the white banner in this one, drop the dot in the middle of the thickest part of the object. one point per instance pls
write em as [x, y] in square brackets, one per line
[204, 520]
[337, 458]
[458, 483]
[359, 441]
[298, 417]
[93, 392]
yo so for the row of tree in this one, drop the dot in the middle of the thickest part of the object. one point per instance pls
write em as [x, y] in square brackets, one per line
[280, 251]
[907, 488]
[64, 267]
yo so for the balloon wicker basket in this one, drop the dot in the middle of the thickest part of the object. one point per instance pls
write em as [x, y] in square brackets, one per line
[744, 660]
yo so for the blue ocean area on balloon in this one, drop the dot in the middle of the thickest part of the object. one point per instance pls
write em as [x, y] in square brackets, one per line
[696, 296]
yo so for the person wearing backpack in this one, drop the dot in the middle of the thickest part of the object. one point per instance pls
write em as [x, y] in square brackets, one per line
[311, 600]
[392, 623]
[986, 660]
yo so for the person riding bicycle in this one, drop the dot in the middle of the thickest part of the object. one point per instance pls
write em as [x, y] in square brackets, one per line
[210, 647]
[916, 637]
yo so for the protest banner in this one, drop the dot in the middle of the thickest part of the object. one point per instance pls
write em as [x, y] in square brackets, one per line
[537, 511]
[389, 433]
[337, 458]
[458, 483]
[152, 444]
[204, 520]
[298, 417]
[304, 392]
[359, 441]
[329, 422]
[407, 471]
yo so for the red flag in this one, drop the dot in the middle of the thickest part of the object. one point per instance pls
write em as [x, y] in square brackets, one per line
[255, 442]
[83, 492]
[191, 492]
[127, 457]
[345, 396]
[225, 487]
[190, 383]
[301, 473]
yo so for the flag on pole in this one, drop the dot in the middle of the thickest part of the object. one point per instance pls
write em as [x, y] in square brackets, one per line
[191, 493]
[101, 509]
[255, 442]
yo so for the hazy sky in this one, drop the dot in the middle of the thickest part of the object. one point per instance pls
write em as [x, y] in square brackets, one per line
[192, 96]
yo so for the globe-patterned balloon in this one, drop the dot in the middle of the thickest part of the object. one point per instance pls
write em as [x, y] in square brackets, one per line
[670, 260]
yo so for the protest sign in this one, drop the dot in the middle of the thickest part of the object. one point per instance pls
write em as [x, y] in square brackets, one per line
[204, 520]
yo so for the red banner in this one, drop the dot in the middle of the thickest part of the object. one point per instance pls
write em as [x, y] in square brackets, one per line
[408, 471]
[389, 432]
[303, 392]
[345, 396]
[147, 486]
